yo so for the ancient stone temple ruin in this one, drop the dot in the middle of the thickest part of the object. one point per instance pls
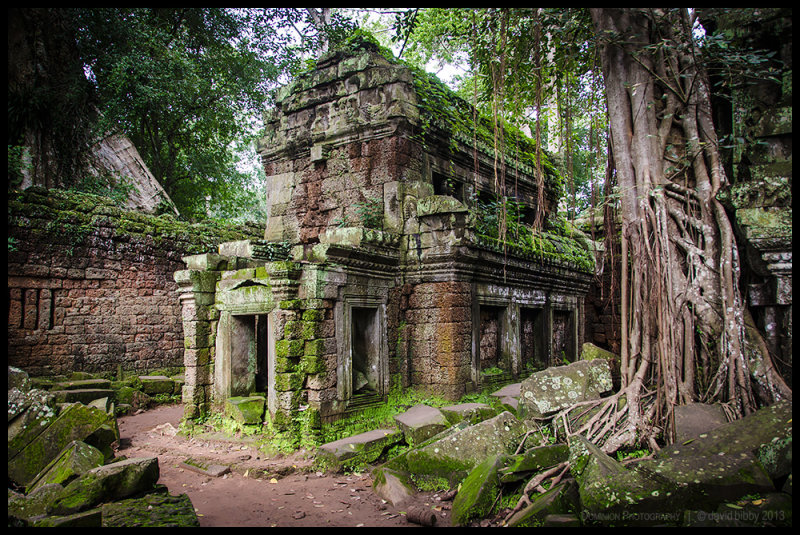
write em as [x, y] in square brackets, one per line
[379, 267]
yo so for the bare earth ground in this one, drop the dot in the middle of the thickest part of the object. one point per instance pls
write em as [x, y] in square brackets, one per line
[281, 491]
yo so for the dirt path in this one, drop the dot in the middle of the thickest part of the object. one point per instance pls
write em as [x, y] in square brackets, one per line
[260, 491]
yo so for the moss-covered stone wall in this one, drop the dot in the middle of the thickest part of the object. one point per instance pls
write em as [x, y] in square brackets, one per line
[91, 287]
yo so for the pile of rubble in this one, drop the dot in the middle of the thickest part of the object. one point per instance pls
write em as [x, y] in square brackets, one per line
[720, 473]
[62, 470]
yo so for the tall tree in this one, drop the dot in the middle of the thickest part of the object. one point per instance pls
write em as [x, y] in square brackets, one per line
[51, 106]
[683, 319]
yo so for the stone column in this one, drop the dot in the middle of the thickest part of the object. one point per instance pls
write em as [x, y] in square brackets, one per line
[197, 290]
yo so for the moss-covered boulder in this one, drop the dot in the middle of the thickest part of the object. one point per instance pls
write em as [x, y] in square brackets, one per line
[29, 413]
[421, 422]
[76, 459]
[153, 385]
[522, 465]
[455, 455]
[151, 511]
[608, 489]
[560, 387]
[357, 450]
[469, 412]
[74, 422]
[111, 482]
[247, 410]
[478, 492]
[559, 501]
[393, 486]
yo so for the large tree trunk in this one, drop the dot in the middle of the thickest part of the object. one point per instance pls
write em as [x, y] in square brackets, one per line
[685, 320]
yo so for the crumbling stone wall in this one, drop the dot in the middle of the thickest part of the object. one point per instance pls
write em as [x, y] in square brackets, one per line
[91, 287]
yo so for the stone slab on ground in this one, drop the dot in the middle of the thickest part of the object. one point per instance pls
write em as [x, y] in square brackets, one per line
[151, 511]
[358, 449]
[471, 412]
[207, 469]
[421, 422]
[82, 395]
[455, 455]
[512, 391]
[157, 384]
[82, 384]
[246, 410]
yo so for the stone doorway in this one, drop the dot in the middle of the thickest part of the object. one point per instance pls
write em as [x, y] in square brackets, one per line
[494, 358]
[243, 354]
[365, 351]
[533, 354]
[563, 338]
[363, 369]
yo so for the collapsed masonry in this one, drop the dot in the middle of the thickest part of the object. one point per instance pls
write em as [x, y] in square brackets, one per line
[378, 266]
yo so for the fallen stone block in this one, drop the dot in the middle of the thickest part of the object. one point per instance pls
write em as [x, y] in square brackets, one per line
[82, 395]
[156, 384]
[767, 433]
[115, 481]
[77, 458]
[555, 504]
[25, 507]
[18, 379]
[549, 391]
[74, 422]
[420, 423]
[589, 351]
[522, 465]
[392, 486]
[29, 413]
[478, 492]
[357, 450]
[470, 412]
[82, 384]
[455, 455]
[246, 410]
[705, 482]
[608, 489]
[207, 469]
[85, 519]
[151, 511]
